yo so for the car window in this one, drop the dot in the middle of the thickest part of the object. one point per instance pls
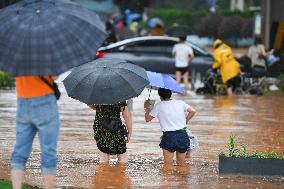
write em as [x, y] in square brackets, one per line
[153, 46]
[196, 52]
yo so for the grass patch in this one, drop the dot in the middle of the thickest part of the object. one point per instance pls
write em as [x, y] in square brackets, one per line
[4, 184]
[281, 85]
[6, 80]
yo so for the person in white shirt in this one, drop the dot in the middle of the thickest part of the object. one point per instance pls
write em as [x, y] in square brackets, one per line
[183, 54]
[173, 116]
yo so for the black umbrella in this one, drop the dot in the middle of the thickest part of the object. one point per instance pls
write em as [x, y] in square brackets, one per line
[105, 81]
[47, 37]
[179, 31]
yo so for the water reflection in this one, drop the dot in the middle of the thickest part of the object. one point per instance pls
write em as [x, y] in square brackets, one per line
[257, 121]
[174, 176]
[111, 176]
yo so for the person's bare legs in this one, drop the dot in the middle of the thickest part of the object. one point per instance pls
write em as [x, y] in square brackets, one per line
[17, 179]
[181, 165]
[229, 91]
[180, 158]
[168, 161]
[178, 76]
[48, 181]
[122, 158]
[185, 80]
[188, 154]
[104, 158]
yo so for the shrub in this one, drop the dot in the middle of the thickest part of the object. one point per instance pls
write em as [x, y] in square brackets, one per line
[180, 17]
[281, 84]
[228, 12]
[209, 26]
[231, 27]
[6, 80]
[247, 28]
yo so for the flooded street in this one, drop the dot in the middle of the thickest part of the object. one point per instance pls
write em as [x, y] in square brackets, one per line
[256, 121]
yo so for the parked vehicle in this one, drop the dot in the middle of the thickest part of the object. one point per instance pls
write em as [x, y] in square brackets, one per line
[154, 53]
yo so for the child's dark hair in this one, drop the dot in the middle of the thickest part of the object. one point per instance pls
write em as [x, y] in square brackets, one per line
[165, 93]
[182, 38]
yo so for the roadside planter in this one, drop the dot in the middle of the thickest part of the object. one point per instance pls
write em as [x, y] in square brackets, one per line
[237, 160]
[251, 165]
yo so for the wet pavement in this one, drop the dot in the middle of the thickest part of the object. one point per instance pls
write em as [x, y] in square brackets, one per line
[257, 121]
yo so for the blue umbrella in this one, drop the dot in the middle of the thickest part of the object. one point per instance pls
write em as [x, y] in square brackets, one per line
[159, 80]
[154, 21]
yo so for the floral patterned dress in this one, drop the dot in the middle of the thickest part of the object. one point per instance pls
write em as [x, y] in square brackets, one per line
[109, 142]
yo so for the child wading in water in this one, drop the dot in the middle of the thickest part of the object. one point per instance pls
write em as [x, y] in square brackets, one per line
[173, 116]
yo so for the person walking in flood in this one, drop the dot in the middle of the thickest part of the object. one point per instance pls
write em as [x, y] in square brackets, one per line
[173, 116]
[37, 113]
[225, 61]
[183, 54]
[112, 142]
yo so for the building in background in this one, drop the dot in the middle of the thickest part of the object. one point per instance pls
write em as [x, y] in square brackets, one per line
[237, 5]
[272, 14]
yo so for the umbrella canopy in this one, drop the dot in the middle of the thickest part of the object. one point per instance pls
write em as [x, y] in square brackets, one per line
[105, 81]
[159, 80]
[178, 31]
[47, 37]
[153, 22]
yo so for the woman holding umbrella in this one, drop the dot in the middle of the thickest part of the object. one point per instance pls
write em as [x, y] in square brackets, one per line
[105, 84]
[112, 142]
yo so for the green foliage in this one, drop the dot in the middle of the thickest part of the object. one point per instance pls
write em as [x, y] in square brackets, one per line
[266, 155]
[234, 150]
[8, 185]
[180, 17]
[201, 21]
[281, 84]
[6, 80]
[228, 12]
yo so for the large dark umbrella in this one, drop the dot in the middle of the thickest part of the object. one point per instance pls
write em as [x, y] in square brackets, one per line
[179, 31]
[105, 81]
[47, 37]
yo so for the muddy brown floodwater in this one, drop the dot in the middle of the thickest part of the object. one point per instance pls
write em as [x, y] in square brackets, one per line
[257, 121]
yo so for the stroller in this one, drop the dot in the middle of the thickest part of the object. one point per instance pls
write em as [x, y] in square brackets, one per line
[252, 80]
[211, 82]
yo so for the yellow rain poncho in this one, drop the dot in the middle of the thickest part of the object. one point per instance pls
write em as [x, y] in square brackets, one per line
[224, 59]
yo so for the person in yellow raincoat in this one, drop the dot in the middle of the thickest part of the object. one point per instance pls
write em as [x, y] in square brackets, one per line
[229, 67]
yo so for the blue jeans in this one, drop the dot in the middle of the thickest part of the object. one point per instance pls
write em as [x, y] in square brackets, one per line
[36, 115]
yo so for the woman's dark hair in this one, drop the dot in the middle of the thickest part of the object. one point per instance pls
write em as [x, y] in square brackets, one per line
[257, 41]
[165, 93]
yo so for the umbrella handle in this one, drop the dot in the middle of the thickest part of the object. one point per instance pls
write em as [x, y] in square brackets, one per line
[149, 90]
